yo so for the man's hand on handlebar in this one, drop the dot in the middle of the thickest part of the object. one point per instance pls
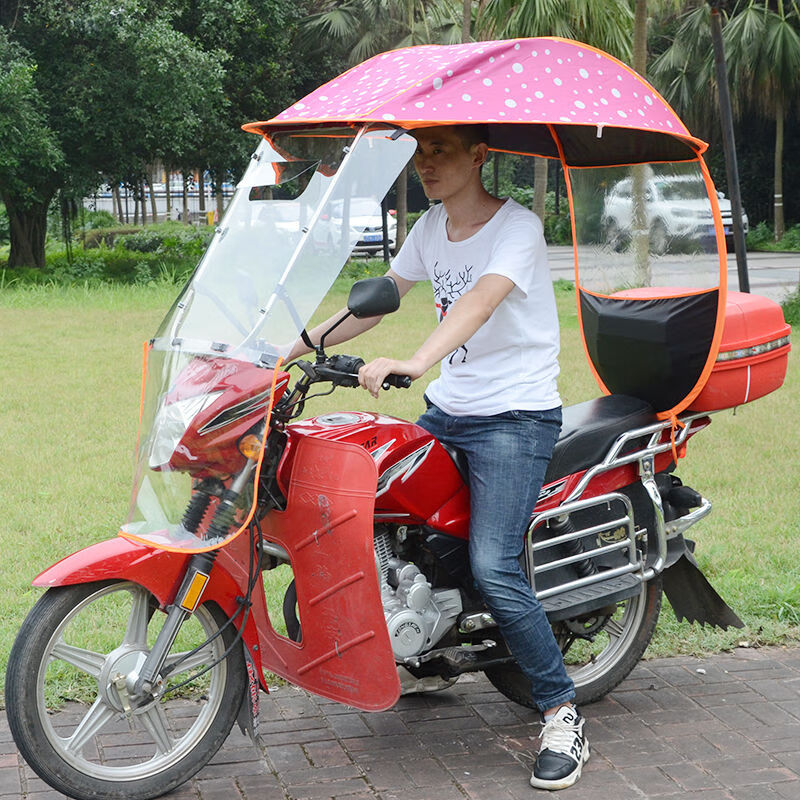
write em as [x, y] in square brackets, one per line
[374, 375]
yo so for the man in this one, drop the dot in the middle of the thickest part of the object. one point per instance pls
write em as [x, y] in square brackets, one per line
[496, 400]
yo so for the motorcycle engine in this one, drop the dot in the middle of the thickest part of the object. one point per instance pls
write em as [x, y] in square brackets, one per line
[417, 615]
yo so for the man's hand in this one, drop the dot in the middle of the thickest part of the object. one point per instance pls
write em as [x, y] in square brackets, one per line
[371, 376]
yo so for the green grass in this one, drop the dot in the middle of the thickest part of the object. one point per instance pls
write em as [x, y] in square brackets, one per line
[70, 396]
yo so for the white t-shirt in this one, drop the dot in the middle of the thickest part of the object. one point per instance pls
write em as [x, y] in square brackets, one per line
[511, 362]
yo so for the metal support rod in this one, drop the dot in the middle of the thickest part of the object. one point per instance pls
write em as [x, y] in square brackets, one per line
[729, 145]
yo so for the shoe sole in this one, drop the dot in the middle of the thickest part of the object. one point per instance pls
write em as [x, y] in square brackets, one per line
[566, 782]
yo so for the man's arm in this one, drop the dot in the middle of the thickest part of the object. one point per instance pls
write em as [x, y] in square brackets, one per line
[463, 319]
[350, 328]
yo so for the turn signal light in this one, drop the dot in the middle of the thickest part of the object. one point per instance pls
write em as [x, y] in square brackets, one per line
[250, 446]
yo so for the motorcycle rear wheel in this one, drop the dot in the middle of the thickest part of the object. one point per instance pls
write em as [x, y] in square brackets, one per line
[597, 667]
[67, 709]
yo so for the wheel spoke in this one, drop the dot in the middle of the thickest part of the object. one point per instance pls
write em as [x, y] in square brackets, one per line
[614, 628]
[85, 660]
[201, 658]
[95, 719]
[154, 719]
[138, 619]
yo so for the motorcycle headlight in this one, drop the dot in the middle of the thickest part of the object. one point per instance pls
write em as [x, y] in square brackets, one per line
[171, 423]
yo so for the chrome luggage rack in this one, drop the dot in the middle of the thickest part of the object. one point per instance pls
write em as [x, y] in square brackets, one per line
[635, 565]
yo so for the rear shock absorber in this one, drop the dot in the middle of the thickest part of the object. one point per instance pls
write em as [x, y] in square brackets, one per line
[563, 526]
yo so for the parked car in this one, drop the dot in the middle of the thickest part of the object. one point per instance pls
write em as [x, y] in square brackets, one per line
[678, 210]
[366, 222]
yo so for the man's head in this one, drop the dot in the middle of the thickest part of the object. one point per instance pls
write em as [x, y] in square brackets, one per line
[449, 157]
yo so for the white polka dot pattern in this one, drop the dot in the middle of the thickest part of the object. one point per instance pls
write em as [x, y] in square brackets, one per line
[522, 80]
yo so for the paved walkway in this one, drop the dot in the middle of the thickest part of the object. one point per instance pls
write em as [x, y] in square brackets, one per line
[723, 728]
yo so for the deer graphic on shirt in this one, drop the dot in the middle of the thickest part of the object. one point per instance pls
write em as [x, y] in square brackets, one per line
[447, 288]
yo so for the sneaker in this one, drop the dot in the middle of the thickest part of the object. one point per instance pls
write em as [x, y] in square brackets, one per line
[563, 752]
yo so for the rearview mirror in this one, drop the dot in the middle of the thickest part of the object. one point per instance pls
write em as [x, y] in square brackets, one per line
[373, 297]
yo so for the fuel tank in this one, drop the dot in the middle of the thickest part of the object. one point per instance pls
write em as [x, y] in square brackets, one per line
[418, 482]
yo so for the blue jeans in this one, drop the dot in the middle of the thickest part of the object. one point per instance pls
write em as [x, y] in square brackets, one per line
[508, 456]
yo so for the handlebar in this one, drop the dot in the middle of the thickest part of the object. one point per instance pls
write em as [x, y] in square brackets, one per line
[342, 370]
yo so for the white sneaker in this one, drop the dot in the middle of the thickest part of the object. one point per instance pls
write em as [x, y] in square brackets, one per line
[563, 752]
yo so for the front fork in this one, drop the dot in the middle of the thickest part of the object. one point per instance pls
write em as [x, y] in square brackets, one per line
[187, 599]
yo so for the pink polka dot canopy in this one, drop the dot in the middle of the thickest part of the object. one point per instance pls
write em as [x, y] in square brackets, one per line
[533, 92]
[651, 319]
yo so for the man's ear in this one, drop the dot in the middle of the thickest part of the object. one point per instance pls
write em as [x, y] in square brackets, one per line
[480, 154]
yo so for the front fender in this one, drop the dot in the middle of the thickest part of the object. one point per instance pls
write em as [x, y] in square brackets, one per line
[161, 573]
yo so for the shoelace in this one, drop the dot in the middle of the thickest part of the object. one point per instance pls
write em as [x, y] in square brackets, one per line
[558, 736]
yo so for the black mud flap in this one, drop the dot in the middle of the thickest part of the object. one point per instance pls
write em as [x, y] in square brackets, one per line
[693, 598]
[248, 712]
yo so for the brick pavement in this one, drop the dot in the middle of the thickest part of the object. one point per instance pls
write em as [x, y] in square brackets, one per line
[722, 728]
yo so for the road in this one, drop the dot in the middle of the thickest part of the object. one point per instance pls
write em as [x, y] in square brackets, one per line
[774, 275]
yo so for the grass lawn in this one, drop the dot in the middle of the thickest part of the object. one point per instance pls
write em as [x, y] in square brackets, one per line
[70, 396]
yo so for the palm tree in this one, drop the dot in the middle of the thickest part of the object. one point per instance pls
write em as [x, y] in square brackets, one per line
[364, 28]
[762, 49]
[606, 24]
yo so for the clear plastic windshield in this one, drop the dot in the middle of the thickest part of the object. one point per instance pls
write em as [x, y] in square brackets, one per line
[211, 374]
[295, 218]
[651, 274]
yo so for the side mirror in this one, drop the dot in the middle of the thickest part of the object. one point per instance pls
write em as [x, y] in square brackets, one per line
[373, 297]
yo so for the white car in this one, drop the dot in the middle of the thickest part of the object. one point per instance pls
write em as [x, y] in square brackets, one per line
[677, 209]
[366, 223]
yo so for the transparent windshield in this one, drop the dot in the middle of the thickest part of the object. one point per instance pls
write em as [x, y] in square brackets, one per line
[295, 218]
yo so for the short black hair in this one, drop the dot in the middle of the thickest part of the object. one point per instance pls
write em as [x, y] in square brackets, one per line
[472, 134]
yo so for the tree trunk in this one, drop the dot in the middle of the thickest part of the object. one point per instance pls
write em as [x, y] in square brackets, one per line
[116, 204]
[185, 211]
[201, 190]
[220, 203]
[28, 230]
[780, 227]
[168, 191]
[539, 187]
[466, 21]
[153, 207]
[402, 208]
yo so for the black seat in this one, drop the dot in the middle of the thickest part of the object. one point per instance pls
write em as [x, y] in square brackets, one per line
[589, 429]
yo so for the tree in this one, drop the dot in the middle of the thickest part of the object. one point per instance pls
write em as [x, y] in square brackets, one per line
[606, 24]
[762, 49]
[264, 70]
[112, 82]
[30, 156]
[364, 28]
[763, 52]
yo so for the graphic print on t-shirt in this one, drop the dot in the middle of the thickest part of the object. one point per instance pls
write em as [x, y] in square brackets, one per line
[447, 288]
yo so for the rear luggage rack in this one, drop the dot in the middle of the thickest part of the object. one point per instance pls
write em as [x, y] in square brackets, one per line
[605, 562]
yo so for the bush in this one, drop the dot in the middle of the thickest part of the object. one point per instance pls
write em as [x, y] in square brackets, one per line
[762, 237]
[5, 229]
[759, 236]
[107, 237]
[791, 308]
[93, 220]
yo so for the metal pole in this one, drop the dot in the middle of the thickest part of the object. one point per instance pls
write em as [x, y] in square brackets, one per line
[729, 145]
[385, 228]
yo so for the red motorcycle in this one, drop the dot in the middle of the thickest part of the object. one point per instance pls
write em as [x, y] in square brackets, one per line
[131, 669]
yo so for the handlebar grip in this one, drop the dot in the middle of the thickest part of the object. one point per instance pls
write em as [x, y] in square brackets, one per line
[398, 381]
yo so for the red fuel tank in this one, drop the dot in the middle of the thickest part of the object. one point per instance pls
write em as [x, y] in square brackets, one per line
[418, 482]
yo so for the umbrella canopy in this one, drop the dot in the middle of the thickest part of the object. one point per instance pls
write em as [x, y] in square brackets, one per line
[545, 96]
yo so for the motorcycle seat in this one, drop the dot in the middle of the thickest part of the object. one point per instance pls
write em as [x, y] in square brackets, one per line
[589, 429]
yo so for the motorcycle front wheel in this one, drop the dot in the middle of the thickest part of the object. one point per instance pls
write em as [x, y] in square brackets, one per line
[599, 650]
[69, 710]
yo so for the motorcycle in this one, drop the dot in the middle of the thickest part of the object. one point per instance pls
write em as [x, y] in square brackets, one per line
[131, 669]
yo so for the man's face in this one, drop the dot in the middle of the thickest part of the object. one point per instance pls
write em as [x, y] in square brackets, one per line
[442, 162]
